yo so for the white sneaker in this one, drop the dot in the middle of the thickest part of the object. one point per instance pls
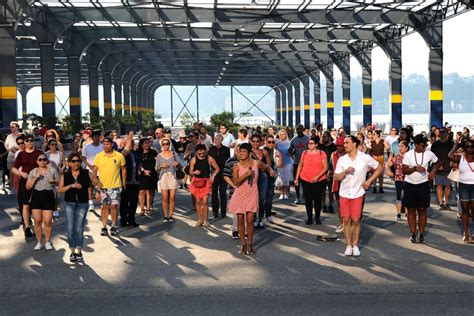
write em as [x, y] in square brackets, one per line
[348, 251]
[339, 229]
[255, 224]
[269, 219]
[355, 251]
[297, 201]
[38, 246]
[285, 197]
[48, 246]
[281, 197]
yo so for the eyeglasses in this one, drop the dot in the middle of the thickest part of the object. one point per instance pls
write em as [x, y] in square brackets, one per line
[20, 143]
[30, 140]
[75, 160]
[165, 144]
[270, 141]
[78, 136]
[42, 159]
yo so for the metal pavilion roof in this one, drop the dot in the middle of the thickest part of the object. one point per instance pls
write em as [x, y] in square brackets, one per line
[205, 42]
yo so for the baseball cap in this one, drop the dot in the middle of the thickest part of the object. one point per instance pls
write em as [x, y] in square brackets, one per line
[300, 126]
[107, 139]
[340, 141]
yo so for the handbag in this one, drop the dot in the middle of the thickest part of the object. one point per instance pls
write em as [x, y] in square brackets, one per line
[199, 183]
[454, 175]
[178, 170]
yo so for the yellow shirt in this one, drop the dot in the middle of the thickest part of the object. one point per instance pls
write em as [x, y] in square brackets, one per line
[110, 169]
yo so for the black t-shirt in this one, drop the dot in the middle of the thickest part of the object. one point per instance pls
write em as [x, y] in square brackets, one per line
[180, 147]
[441, 150]
[147, 160]
[328, 149]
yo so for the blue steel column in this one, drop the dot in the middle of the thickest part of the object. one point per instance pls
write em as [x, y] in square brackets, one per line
[47, 80]
[289, 88]
[434, 38]
[328, 73]
[284, 100]
[74, 70]
[315, 76]
[305, 81]
[8, 104]
[277, 105]
[364, 59]
[296, 84]
[93, 93]
[345, 68]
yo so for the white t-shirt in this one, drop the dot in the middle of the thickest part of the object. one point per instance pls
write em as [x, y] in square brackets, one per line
[390, 139]
[423, 160]
[466, 175]
[90, 151]
[10, 142]
[351, 186]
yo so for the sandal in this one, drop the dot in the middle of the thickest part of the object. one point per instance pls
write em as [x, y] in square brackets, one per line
[198, 223]
[142, 213]
[205, 224]
[149, 212]
[243, 249]
[250, 250]
[465, 239]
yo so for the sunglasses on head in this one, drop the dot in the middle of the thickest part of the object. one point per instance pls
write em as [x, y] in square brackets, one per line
[75, 160]
[42, 159]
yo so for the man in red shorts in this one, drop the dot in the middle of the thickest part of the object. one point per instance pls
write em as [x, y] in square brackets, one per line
[351, 171]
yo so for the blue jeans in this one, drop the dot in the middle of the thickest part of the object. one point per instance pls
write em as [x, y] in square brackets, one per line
[269, 196]
[262, 193]
[76, 219]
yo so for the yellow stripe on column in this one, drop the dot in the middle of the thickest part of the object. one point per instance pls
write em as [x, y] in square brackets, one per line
[134, 108]
[306, 106]
[94, 103]
[290, 108]
[330, 105]
[436, 95]
[47, 97]
[317, 106]
[297, 108]
[75, 101]
[118, 106]
[346, 103]
[396, 98]
[107, 105]
[367, 101]
[8, 93]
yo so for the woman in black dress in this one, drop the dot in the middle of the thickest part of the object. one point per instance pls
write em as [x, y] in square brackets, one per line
[147, 175]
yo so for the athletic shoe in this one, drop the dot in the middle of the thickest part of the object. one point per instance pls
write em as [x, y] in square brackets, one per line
[260, 224]
[235, 235]
[104, 231]
[281, 197]
[355, 251]
[72, 257]
[297, 201]
[79, 257]
[421, 238]
[38, 246]
[399, 217]
[325, 209]
[413, 238]
[348, 251]
[269, 219]
[48, 246]
[309, 222]
[29, 232]
[285, 197]
[113, 231]
[339, 229]
[91, 208]
[255, 224]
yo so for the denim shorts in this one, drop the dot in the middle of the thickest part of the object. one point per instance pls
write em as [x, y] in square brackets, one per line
[466, 192]
[442, 179]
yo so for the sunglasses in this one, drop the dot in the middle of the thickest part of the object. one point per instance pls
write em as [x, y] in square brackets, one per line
[75, 160]
[311, 143]
[29, 140]
[255, 141]
[469, 146]
[49, 135]
[166, 144]
[20, 143]
[42, 159]
[53, 145]
[271, 142]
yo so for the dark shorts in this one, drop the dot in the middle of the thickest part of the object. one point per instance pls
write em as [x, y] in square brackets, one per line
[442, 179]
[43, 200]
[416, 195]
[466, 192]
[24, 195]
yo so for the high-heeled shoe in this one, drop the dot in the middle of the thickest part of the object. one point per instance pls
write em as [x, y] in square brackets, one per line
[243, 249]
[250, 250]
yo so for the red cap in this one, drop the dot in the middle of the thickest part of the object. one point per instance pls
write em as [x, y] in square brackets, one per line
[340, 141]
[86, 131]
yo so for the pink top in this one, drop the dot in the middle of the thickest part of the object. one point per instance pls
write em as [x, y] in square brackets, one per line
[245, 197]
[313, 165]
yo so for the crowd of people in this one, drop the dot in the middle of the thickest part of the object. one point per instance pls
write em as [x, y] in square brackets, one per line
[329, 170]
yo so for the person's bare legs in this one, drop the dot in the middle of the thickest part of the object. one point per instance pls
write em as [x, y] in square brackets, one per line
[26, 215]
[347, 222]
[355, 232]
[148, 196]
[48, 225]
[199, 212]
[249, 219]
[172, 198]
[422, 219]
[38, 218]
[412, 220]
[165, 202]
[447, 192]
[104, 214]
[465, 217]
[114, 214]
[241, 229]
[141, 200]
[205, 209]
[439, 193]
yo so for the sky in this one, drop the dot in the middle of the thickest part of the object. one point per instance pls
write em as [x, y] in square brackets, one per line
[457, 59]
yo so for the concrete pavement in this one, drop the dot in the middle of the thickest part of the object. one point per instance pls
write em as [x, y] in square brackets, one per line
[175, 268]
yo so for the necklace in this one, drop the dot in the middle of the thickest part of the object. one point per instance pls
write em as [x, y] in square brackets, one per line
[422, 157]
[468, 163]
